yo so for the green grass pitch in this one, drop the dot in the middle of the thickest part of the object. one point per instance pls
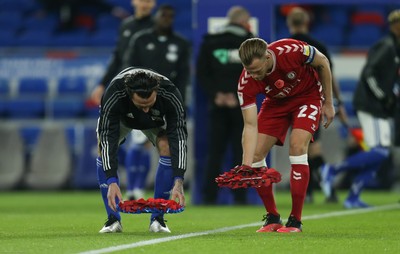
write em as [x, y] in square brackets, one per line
[68, 222]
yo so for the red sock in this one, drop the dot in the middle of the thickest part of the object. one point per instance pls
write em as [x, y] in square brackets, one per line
[267, 196]
[299, 178]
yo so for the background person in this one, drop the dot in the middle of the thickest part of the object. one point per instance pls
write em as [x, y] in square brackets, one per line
[138, 149]
[218, 69]
[162, 49]
[374, 101]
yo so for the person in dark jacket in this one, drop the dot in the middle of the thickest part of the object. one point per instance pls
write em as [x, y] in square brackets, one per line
[218, 69]
[142, 99]
[137, 149]
[298, 21]
[141, 19]
[162, 49]
[374, 101]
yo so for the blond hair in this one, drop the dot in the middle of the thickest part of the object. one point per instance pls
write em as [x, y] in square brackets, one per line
[394, 16]
[251, 49]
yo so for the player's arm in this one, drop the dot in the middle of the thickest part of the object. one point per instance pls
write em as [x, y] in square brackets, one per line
[177, 140]
[108, 138]
[376, 59]
[321, 63]
[249, 136]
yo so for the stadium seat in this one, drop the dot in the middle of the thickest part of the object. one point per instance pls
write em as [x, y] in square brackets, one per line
[364, 35]
[4, 87]
[108, 22]
[348, 105]
[103, 37]
[85, 175]
[29, 135]
[37, 87]
[77, 37]
[19, 108]
[66, 107]
[12, 153]
[331, 35]
[347, 84]
[50, 164]
[7, 37]
[72, 86]
[281, 31]
[373, 18]
[339, 15]
[3, 106]
[11, 20]
[35, 38]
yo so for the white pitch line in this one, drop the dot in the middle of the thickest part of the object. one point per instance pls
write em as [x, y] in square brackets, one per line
[225, 229]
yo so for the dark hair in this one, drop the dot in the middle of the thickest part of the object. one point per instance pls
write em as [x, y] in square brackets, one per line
[164, 7]
[142, 83]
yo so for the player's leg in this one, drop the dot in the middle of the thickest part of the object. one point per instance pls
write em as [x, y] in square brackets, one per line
[306, 115]
[272, 219]
[113, 223]
[353, 199]
[299, 176]
[164, 177]
[272, 128]
[377, 137]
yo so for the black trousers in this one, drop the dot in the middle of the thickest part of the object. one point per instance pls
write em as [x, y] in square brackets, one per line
[225, 132]
[397, 124]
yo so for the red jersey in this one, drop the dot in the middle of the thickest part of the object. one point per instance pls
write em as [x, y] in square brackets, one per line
[291, 75]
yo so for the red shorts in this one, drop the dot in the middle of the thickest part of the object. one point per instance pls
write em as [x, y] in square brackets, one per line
[276, 116]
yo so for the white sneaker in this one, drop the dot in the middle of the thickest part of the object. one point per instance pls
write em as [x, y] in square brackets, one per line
[112, 225]
[135, 194]
[138, 193]
[158, 226]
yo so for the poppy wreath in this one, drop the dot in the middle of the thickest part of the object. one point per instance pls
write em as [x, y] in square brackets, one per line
[245, 176]
[151, 205]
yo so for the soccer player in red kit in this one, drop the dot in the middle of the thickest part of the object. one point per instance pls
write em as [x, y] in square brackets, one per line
[296, 80]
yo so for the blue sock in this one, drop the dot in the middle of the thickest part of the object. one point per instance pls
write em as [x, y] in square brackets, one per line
[102, 179]
[144, 169]
[164, 181]
[132, 165]
[360, 180]
[363, 160]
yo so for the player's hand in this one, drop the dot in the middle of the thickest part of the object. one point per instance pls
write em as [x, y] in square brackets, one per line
[328, 113]
[114, 193]
[219, 99]
[177, 192]
[98, 91]
[231, 100]
[344, 119]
